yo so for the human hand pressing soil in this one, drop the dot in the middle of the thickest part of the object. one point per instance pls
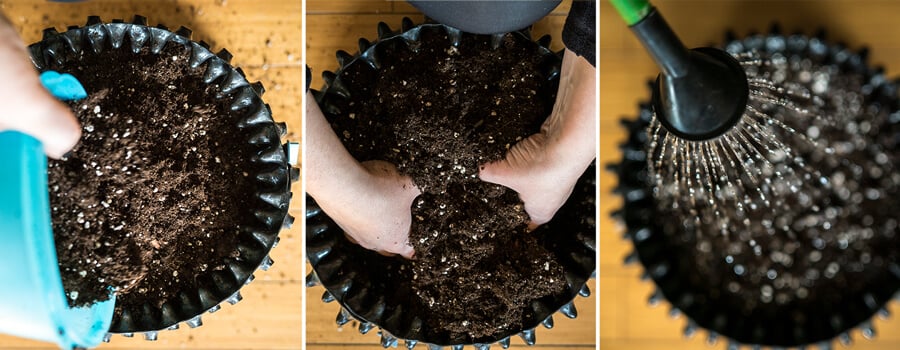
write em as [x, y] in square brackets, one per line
[382, 218]
[28, 107]
[543, 168]
[370, 201]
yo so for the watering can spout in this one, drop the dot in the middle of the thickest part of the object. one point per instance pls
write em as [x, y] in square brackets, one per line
[701, 93]
[32, 301]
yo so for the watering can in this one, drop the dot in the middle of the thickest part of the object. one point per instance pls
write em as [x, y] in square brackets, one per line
[32, 299]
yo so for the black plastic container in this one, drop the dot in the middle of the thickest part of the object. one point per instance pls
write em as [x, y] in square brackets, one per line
[672, 273]
[354, 276]
[271, 169]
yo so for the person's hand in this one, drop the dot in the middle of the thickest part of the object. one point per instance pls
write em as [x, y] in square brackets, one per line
[27, 106]
[539, 173]
[543, 168]
[370, 201]
[380, 217]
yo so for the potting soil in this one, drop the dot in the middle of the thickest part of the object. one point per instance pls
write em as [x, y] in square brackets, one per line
[439, 112]
[155, 192]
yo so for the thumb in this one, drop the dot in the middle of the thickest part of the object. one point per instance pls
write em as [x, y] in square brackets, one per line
[499, 172]
[511, 170]
[406, 250]
[50, 122]
[27, 106]
[504, 173]
[33, 111]
[46, 119]
[388, 172]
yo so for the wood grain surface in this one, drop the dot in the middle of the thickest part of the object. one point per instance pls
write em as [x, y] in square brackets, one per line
[337, 25]
[265, 39]
[626, 320]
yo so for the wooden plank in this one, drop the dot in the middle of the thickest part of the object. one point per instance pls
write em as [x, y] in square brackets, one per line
[851, 21]
[645, 321]
[612, 316]
[513, 346]
[268, 318]
[255, 32]
[699, 343]
[264, 37]
[627, 322]
[284, 86]
[319, 7]
[401, 6]
[287, 254]
[613, 30]
[550, 25]
[616, 100]
[563, 8]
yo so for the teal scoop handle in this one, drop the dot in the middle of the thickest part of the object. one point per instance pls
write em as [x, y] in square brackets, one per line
[33, 303]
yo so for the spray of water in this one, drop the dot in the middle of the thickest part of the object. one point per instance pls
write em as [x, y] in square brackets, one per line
[747, 168]
[794, 195]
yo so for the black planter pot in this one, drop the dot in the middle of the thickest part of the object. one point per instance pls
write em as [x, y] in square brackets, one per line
[824, 315]
[359, 279]
[271, 168]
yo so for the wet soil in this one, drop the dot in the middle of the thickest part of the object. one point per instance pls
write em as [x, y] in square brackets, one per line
[827, 240]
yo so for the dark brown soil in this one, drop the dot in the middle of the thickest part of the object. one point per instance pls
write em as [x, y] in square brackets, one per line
[439, 112]
[831, 238]
[155, 192]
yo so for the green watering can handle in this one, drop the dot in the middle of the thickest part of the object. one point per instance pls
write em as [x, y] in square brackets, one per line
[632, 11]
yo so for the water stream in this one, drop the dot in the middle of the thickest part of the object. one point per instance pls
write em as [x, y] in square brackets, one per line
[799, 193]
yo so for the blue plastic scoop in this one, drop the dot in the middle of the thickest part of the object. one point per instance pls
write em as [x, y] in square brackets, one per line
[63, 86]
[32, 300]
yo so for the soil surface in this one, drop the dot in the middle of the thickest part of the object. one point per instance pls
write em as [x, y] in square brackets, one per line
[439, 112]
[155, 192]
[829, 234]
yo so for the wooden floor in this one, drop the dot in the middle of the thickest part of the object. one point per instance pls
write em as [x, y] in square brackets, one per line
[626, 322]
[338, 25]
[264, 37]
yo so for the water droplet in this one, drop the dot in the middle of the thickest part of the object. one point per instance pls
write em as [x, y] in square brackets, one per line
[832, 270]
[766, 293]
[812, 132]
[818, 243]
[815, 256]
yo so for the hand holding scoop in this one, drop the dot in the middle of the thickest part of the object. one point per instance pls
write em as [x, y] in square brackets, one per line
[32, 299]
